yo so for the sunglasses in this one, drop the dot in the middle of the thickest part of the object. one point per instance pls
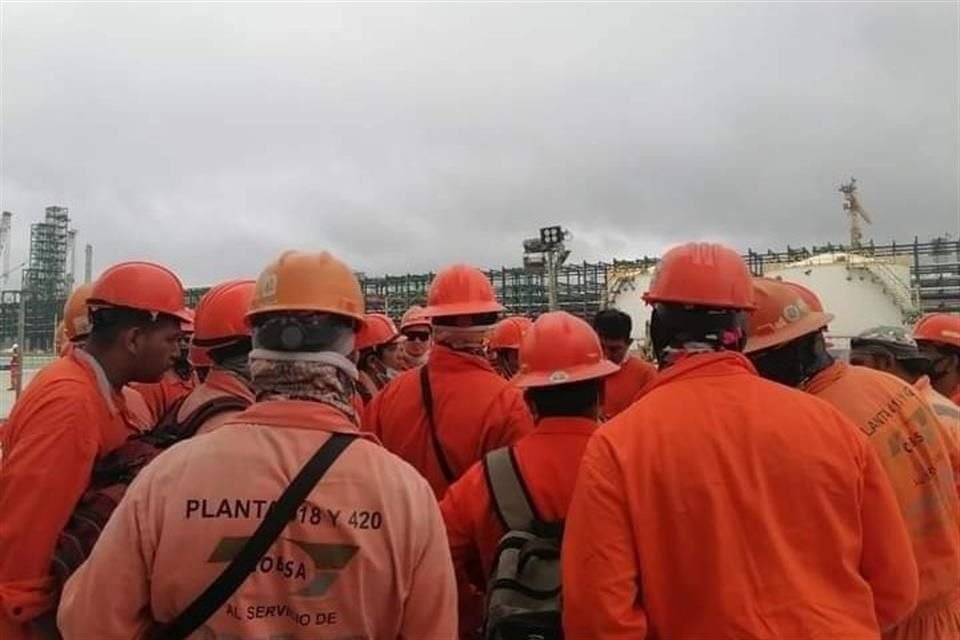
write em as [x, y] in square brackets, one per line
[422, 336]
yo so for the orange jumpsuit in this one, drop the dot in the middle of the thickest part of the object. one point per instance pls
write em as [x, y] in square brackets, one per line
[948, 418]
[915, 453]
[366, 556]
[141, 418]
[548, 458]
[621, 388]
[722, 505]
[475, 411]
[160, 396]
[66, 419]
[219, 383]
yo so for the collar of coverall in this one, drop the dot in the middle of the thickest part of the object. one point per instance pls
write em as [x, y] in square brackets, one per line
[564, 425]
[103, 384]
[825, 378]
[695, 365]
[299, 414]
[228, 382]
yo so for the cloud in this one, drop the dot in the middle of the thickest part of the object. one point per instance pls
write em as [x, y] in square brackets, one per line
[213, 136]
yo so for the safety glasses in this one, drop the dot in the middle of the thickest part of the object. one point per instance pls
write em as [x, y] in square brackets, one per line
[422, 336]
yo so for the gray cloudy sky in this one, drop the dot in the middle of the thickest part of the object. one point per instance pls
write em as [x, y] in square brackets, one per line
[404, 136]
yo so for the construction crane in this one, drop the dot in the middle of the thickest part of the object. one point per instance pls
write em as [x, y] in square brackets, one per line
[851, 204]
[5, 223]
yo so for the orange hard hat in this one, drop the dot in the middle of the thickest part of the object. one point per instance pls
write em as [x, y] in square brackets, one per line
[221, 313]
[198, 357]
[938, 327]
[461, 290]
[309, 282]
[509, 333]
[781, 315]
[703, 275]
[808, 296]
[379, 329]
[140, 285]
[560, 348]
[414, 317]
[76, 315]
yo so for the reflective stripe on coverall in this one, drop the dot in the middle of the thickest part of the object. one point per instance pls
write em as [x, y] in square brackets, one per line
[548, 459]
[621, 388]
[66, 419]
[722, 505]
[365, 557]
[914, 451]
[475, 411]
[219, 382]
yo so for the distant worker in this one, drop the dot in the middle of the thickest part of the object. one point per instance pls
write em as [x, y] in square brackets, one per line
[787, 345]
[381, 357]
[503, 347]
[561, 369]
[696, 513]
[176, 383]
[222, 332]
[614, 328]
[76, 330]
[71, 415]
[354, 548]
[415, 327]
[16, 368]
[938, 335]
[443, 416]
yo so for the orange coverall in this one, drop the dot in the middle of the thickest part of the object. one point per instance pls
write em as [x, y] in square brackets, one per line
[548, 458]
[66, 419]
[916, 454]
[366, 556]
[475, 411]
[620, 389]
[722, 505]
[218, 383]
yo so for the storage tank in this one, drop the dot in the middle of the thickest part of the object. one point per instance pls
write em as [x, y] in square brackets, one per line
[862, 292]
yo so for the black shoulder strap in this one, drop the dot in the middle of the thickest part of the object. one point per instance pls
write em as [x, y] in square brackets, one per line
[200, 610]
[427, 395]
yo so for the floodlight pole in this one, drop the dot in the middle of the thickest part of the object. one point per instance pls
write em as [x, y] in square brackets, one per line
[552, 279]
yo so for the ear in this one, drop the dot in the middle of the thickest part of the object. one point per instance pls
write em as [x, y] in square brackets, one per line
[132, 338]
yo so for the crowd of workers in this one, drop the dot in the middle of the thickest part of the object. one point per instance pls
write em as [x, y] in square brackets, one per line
[336, 476]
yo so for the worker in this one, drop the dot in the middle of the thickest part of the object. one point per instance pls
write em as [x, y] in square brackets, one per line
[561, 372]
[503, 347]
[176, 383]
[443, 416]
[722, 505]
[363, 556]
[224, 336]
[76, 329]
[619, 390]
[415, 327]
[72, 415]
[16, 369]
[786, 344]
[381, 358]
[938, 335]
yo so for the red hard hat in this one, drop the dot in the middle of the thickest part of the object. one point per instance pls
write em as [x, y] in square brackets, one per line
[221, 313]
[559, 348]
[938, 327]
[140, 285]
[379, 329]
[414, 317]
[808, 296]
[76, 316]
[198, 357]
[461, 290]
[781, 315]
[703, 275]
[509, 333]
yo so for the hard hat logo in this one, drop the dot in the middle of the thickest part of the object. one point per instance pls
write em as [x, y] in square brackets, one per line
[794, 312]
[558, 377]
[267, 288]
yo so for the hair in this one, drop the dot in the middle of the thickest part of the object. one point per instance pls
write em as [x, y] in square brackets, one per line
[613, 324]
[231, 350]
[109, 323]
[311, 332]
[473, 320]
[574, 399]
[673, 326]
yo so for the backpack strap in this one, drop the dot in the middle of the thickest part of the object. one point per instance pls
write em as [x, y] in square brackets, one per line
[170, 430]
[427, 396]
[511, 499]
